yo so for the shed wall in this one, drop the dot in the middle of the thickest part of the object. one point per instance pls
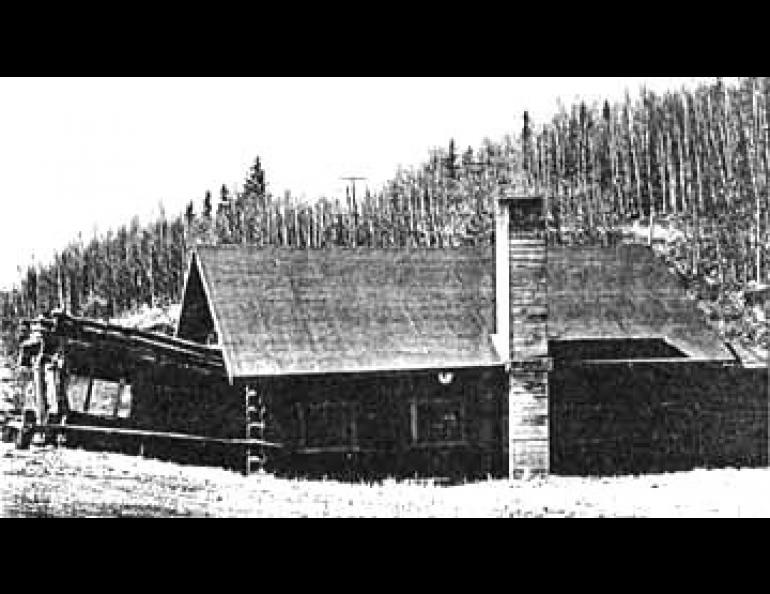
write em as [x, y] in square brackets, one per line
[662, 417]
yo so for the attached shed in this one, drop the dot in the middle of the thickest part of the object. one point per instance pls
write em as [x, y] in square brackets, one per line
[105, 385]
[640, 382]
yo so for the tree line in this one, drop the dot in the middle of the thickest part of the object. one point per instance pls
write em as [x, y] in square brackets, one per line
[693, 158]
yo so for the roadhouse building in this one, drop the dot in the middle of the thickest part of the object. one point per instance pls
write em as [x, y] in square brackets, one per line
[472, 361]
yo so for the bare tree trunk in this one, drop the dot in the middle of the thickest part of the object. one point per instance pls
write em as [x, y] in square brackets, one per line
[662, 170]
[612, 157]
[670, 174]
[720, 265]
[753, 167]
[587, 195]
[622, 180]
[648, 164]
[766, 158]
[716, 156]
[637, 173]
[685, 165]
[728, 150]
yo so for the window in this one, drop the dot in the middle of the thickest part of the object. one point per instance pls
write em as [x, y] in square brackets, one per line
[110, 399]
[438, 421]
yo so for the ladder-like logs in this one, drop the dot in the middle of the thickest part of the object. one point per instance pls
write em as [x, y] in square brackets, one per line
[255, 430]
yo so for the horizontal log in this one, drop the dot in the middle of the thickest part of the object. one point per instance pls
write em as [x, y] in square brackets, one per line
[159, 434]
[527, 252]
[520, 240]
[514, 246]
[524, 264]
[528, 310]
[528, 332]
[525, 432]
[333, 450]
[529, 455]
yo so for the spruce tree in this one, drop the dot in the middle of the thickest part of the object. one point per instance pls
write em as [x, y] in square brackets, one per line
[252, 204]
[204, 225]
[526, 146]
[451, 160]
[224, 224]
[207, 208]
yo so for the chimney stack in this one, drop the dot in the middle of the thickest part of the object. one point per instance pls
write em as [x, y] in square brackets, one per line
[522, 319]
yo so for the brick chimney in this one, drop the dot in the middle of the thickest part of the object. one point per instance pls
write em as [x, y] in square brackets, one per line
[522, 319]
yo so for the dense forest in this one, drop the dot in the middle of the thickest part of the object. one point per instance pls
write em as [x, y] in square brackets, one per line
[690, 160]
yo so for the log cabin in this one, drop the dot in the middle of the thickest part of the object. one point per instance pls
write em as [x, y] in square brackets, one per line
[515, 360]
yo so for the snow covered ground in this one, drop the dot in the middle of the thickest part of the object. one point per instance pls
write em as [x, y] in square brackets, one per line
[64, 482]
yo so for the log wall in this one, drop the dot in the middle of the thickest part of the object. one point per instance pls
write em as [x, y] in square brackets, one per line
[405, 424]
[642, 418]
[194, 404]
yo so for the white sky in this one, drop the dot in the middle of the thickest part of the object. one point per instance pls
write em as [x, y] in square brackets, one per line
[77, 154]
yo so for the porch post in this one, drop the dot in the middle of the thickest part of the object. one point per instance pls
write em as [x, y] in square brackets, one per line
[41, 402]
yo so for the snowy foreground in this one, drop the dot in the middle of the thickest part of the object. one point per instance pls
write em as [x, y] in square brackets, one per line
[51, 482]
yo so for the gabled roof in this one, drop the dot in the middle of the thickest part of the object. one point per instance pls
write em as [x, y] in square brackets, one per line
[279, 311]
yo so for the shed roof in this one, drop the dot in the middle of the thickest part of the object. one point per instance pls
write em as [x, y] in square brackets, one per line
[110, 352]
[625, 292]
[280, 311]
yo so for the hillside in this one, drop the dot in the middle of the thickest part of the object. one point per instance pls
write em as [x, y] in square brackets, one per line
[695, 162]
[730, 312]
